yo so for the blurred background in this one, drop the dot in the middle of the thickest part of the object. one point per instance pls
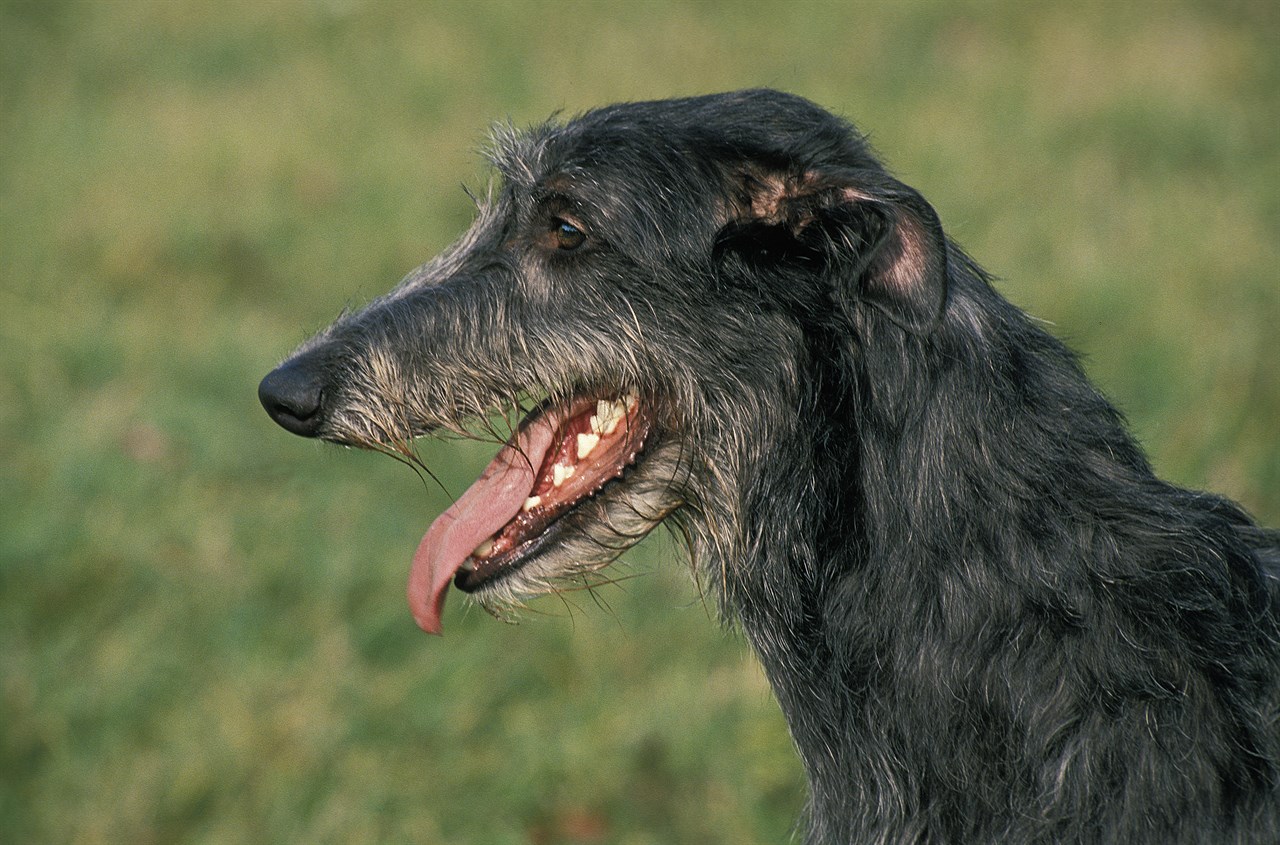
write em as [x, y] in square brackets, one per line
[203, 633]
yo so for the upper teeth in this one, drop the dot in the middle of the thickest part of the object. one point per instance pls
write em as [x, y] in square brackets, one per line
[609, 414]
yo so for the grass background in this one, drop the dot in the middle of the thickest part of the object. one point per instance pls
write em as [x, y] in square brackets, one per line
[203, 636]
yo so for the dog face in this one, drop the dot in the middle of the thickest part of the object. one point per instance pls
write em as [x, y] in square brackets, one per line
[643, 293]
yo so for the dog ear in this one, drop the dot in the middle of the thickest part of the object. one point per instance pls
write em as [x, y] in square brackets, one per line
[880, 242]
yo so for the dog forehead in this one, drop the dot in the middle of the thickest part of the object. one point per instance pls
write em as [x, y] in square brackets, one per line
[609, 172]
[584, 151]
[680, 142]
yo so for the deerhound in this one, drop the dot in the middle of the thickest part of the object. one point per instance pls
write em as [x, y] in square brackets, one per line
[984, 617]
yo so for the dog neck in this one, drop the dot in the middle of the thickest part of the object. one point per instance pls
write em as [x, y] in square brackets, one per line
[961, 561]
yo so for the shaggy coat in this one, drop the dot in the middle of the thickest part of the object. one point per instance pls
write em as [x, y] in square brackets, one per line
[985, 619]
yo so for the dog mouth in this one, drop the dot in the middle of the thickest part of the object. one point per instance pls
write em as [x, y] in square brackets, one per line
[561, 457]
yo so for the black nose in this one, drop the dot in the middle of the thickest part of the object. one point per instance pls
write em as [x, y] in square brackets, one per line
[293, 395]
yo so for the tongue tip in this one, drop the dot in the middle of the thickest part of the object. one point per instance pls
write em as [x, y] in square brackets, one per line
[427, 607]
[428, 621]
[432, 628]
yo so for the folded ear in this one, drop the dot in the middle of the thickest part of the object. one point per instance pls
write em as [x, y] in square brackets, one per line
[877, 240]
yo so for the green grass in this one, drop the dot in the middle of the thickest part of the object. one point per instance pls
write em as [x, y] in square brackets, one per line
[203, 635]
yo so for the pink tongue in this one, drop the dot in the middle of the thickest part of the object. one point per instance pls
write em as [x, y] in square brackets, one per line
[487, 505]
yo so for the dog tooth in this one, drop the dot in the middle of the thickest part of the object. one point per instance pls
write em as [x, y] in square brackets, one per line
[605, 419]
[560, 472]
[611, 413]
[483, 549]
[586, 442]
[531, 503]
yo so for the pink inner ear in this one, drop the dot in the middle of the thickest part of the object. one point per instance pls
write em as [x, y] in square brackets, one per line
[902, 263]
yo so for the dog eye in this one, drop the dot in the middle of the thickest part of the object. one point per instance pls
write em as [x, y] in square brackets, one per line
[568, 237]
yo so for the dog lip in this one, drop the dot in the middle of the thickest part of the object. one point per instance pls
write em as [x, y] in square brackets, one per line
[498, 566]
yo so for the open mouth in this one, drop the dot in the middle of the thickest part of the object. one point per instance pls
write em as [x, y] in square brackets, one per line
[558, 459]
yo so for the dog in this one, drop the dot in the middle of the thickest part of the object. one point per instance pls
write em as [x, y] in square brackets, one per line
[984, 617]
